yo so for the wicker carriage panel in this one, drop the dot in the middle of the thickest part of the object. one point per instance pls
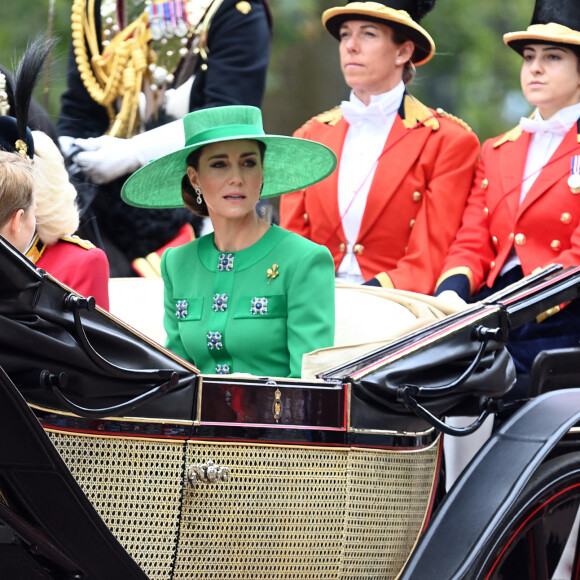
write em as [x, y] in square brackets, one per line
[387, 504]
[304, 513]
[287, 512]
[135, 486]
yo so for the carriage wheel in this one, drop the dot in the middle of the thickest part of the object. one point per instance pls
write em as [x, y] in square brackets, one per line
[532, 537]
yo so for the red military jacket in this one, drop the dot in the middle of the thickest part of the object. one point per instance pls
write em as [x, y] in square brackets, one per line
[544, 229]
[77, 263]
[415, 201]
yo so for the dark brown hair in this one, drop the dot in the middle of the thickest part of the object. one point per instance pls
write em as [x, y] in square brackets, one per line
[400, 38]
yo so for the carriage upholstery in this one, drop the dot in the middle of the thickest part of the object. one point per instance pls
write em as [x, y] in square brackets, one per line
[367, 317]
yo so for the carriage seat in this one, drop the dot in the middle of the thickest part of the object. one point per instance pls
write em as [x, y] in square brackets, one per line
[367, 317]
[555, 369]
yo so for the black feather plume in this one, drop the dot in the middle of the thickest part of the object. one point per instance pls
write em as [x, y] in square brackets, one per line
[423, 7]
[26, 77]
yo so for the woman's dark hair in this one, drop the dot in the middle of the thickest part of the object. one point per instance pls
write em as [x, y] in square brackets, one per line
[400, 38]
[188, 193]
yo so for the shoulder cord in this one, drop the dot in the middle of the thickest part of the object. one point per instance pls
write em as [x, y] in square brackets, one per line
[118, 71]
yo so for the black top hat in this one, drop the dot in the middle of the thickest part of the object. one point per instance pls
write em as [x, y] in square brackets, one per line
[403, 15]
[553, 22]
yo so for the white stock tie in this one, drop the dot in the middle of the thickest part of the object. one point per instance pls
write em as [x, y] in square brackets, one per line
[355, 114]
[554, 126]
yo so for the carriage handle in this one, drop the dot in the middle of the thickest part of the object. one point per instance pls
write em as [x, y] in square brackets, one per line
[58, 382]
[74, 304]
[481, 333]
[487, 407]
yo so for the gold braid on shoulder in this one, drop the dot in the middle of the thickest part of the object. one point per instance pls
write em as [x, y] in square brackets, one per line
[117, 71]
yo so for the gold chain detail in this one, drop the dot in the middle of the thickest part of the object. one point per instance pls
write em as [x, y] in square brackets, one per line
[117, 71]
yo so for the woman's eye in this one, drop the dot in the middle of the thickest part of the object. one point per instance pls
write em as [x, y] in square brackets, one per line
[217, 164]
[250, 163]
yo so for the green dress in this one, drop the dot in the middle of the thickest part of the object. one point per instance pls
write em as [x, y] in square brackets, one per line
[255, 311]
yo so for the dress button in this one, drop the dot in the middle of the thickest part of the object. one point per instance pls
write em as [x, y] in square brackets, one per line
[556, 245]
[484, 184]
[358, 249]
[342, 248]
[305, 218]
[485, 211]
[512, 237]
[411, 224]
[494, 240]
[492, 265]
[520, 239]
[565, 218]
[417, 196]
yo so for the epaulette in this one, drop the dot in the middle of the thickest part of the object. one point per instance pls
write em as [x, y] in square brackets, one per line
[36, 249]
[86, 244]
[511, 135]
[417, 112]
[447, 115]
[331, 117]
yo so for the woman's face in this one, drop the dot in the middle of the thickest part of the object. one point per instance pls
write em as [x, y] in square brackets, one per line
[230, 175]
[371, 62]
[550, 78]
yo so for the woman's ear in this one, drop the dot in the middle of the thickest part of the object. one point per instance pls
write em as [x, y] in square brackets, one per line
[405, 51]
[193, 177]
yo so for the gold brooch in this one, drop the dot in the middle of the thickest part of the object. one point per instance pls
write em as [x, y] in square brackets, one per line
[21, 148]
[272, 272]
[244, 7]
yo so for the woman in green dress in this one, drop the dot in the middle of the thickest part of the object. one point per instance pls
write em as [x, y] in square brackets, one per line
[249, 297]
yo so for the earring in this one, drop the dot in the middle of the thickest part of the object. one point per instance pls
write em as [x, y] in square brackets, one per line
[199, 198]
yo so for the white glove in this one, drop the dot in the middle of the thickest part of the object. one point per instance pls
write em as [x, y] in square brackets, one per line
[66, 144]
[176, 101]
[452, 299]
[105, 158]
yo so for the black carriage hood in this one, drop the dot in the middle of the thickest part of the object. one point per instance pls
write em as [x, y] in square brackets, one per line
[56, 346]
[54, 341]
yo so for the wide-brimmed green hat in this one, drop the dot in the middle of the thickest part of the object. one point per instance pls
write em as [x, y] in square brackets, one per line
[290, 163]
[403, 15]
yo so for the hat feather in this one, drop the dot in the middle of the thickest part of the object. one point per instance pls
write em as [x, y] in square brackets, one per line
[26, 77]
[423, 7]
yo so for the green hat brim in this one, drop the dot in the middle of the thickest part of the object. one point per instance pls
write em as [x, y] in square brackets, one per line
[290, 164]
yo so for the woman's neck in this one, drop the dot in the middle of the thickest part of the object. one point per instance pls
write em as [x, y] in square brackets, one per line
[236, 235]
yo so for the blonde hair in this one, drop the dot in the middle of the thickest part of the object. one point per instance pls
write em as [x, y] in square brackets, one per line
[56, 209]
[16, 185]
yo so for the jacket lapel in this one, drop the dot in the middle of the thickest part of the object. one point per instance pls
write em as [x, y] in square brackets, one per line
[512, 170]
[334, 139]
[558, 168]
[404, 145]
